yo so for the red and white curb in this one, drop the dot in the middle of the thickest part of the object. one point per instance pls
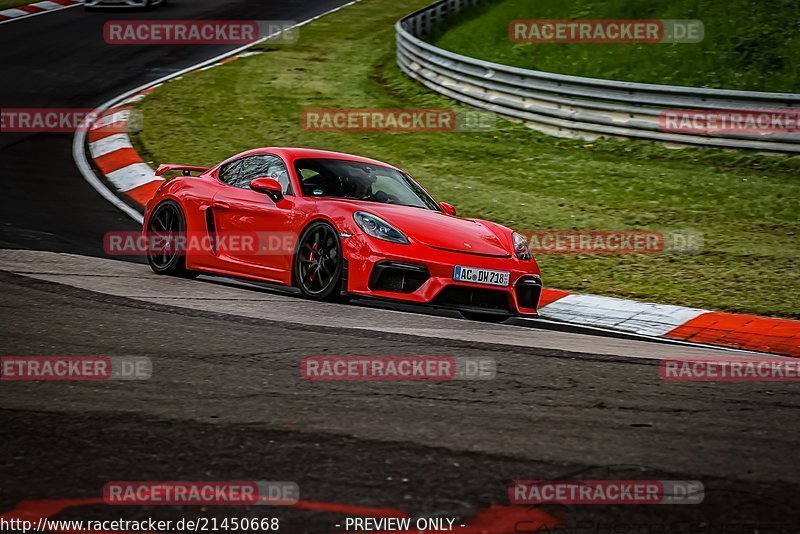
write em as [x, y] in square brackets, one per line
[113, 154]
[36, 8]
[747, 332]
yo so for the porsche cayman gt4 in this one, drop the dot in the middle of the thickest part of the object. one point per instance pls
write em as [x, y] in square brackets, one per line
[337, 226]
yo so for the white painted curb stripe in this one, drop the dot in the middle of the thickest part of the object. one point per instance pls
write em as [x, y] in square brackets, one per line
[25, 15]
[621, 314]
[109, 144]
[47, 5]
[13, 12]
[118, 116]
[132, 176]
[134, 99]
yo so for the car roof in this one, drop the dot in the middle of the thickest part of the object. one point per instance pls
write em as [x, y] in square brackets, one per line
[290, 154]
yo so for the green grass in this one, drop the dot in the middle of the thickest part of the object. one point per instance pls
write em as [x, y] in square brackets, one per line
[746, 205]
[6, 4]
[748, 44]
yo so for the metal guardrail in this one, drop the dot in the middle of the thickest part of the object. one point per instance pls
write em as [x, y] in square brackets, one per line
[573, 106]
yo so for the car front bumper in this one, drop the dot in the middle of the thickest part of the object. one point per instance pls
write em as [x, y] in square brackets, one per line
[419, 274]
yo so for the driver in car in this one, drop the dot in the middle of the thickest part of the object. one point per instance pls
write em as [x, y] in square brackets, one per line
[358, 184]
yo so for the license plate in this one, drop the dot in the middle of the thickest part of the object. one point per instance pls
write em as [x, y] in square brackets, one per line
[481, 276]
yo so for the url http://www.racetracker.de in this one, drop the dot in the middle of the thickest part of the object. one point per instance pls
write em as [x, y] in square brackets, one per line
[201, 524]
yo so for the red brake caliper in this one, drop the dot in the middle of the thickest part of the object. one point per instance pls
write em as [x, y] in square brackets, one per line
[310, 258]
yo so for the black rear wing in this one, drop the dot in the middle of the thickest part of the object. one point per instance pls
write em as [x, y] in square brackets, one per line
[187, 169]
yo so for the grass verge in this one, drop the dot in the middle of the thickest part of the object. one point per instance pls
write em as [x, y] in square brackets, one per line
[747, 45]
[6, 4]
[746, 205]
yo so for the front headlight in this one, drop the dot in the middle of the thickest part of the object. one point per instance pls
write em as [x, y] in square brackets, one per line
[521, 246]
[378, 228]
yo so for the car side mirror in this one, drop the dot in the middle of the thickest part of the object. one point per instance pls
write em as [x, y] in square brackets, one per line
[447, 208]
[269, 186]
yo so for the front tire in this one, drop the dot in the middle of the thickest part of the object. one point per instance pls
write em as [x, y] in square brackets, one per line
[167, 219]
[318, 262]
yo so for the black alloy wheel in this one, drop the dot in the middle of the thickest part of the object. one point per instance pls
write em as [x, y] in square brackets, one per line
[318, 262]
[165, 228]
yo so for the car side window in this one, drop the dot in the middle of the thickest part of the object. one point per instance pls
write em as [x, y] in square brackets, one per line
[254, 167]
[230, 171]
[277, 170]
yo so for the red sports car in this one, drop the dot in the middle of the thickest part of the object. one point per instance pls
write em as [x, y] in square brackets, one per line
[336, 226]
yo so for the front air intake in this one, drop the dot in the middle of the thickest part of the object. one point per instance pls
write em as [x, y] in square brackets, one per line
[397, 277]
[468, 297]
[528, 290]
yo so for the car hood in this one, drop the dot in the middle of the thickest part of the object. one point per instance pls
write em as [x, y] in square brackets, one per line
[439, 230]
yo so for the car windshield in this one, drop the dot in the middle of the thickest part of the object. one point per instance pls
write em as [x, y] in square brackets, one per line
[339, 178]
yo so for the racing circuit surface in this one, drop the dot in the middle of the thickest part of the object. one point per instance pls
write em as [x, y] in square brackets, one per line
[227, 401]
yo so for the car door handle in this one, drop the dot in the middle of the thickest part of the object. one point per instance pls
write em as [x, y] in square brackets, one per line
[221, 205]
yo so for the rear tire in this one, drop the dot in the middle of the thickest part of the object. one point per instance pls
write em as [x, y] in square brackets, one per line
[484, 317]
[318, 262]
[168, 218]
